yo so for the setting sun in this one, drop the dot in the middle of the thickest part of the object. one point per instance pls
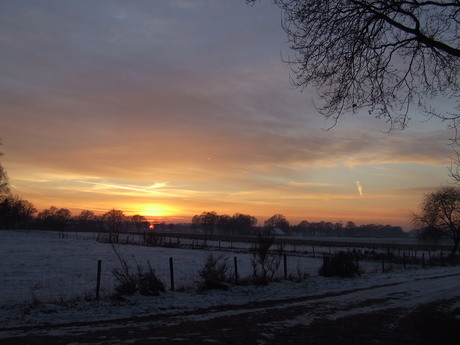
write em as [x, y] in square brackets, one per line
[154, 210]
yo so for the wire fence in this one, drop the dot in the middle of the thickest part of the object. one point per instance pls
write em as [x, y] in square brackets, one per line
[66, 269]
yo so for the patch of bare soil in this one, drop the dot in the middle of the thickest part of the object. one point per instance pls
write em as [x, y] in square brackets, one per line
[428, 324]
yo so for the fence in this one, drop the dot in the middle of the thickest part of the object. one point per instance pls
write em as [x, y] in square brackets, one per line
[46, 268]
[45, 286]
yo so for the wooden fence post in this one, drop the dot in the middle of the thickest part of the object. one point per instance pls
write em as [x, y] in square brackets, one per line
[235, 262]
[285, 265]
[171, 272]
[98, 279]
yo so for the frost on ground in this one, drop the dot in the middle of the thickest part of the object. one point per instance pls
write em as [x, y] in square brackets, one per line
[51, 280]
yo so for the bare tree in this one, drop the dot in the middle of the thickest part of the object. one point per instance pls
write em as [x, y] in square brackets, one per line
[4, 183]
[54, 218]
[15, 212]
[379, 56]
[440, 215]
[454, 169]
[113, 219]
[243, 223]
[265, 263]
[207, 221]
[278, 221]
[87, 220]
[139, 222]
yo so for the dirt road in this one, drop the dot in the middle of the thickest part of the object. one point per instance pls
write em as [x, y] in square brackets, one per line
[422, 311]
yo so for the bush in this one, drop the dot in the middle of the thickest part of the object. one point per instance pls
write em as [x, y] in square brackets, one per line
[265, 262]
[215, 273]
[341, 265]
[126, 283]
[143, 281]
[148, 283]
[299, 276]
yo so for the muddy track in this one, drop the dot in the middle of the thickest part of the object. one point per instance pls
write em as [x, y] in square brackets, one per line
[382, 314]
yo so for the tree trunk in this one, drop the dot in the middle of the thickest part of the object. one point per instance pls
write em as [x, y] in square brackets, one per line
[454, 248]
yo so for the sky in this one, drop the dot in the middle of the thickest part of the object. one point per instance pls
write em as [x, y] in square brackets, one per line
[173, 108]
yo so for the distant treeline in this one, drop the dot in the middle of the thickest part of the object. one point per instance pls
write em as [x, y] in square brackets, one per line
[242, 224]
[16, 213]
[350, 229]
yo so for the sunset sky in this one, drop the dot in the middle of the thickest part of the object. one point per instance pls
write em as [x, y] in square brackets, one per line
[172, 108]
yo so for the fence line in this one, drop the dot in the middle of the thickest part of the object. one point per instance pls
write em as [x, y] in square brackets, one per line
[68, 279]
[55, 287]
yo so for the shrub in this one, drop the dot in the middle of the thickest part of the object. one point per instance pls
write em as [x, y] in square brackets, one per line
[215, 273]
[148, 283]
[144, 282]
[265, 262]
[299, 276]
[342, 265]
[125, 283]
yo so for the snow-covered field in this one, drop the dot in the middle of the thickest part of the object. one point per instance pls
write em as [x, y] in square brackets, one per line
[46, 279]
[42, 267]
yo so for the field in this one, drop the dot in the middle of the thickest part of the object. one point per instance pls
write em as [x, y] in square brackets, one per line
[48, 279]
[47, 267]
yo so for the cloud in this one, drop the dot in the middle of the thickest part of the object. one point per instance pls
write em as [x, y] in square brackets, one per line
[186, 4]
[121, 95]
[149, 189]
[360, 188]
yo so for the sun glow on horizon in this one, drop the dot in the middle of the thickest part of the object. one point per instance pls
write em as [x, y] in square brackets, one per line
[154, 210]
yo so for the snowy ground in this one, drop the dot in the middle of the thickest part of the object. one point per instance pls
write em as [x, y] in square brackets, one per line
[51, 280]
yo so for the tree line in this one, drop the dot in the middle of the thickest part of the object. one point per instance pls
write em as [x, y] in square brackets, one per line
[439, 217]
[244, 224]
[16, 213]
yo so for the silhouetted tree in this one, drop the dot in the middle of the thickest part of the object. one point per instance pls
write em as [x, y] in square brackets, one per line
[4, 185]
[113, 220]
[429, 234]
[380, 56]
[277, 221]
[225, 224]
[243, 223]
[440, 213]
[207, 221]
[54, 218]
[15, 212]
[264, 262]
[454, 169]
[139, 222]
[87, 220]
[350, 230]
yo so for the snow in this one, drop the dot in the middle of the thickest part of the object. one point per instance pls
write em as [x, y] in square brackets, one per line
[47, 279]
